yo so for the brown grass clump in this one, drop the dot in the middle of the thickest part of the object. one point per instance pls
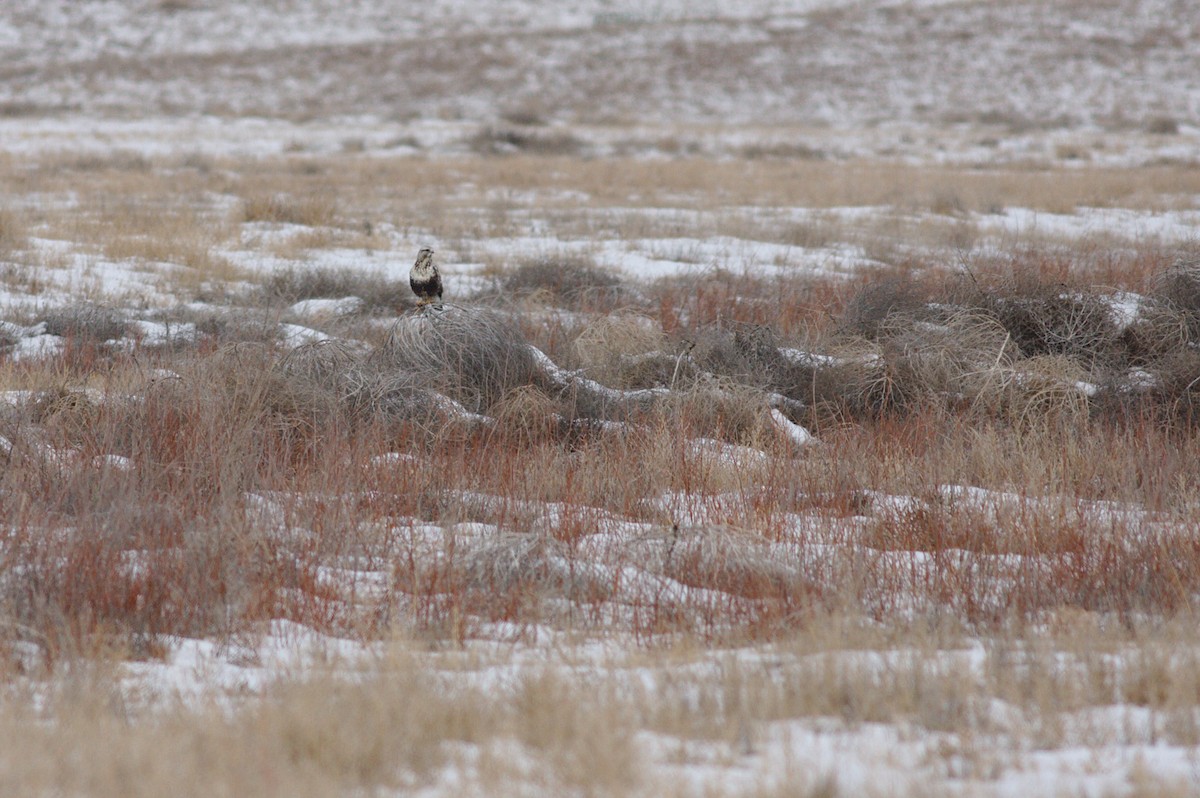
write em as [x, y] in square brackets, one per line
[961, 359]
[747, 354]
[1047, 390]
[1048, 320]
[573, 281]
[217, 328]
[1161, 330]
[379, 294]
[129, 510]
[722, 410]
[878, 302]
[624, 351]
[86, 323]
[515, 575]
[310, 210]
[789, 305]
[158, 235]
[1173, 392]
[1170, 315]
[472, 355]
[527, 415]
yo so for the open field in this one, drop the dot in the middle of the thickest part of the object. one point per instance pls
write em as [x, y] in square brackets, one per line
[867, 476]
[786, 430]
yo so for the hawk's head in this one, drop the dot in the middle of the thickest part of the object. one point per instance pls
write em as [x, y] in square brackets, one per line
[424, 268]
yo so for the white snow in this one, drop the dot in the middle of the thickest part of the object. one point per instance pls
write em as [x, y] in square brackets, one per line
[796, 433]
[925, 82]
[295, 335]
[326, 308]
[37, 346]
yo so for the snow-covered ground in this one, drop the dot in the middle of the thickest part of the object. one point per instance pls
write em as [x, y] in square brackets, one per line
[1107, 750]
[966, 81]
[969, 83]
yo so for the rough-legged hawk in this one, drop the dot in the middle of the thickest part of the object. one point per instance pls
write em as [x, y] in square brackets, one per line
[424, 278]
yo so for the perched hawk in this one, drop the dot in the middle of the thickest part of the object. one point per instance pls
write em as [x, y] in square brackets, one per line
[424, 278]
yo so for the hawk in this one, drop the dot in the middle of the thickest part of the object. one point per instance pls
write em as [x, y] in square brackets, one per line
[425, 279]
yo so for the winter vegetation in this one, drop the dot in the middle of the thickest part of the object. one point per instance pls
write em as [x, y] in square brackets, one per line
[809, 433]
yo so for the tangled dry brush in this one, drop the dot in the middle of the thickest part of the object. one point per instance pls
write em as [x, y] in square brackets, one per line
[198, 486]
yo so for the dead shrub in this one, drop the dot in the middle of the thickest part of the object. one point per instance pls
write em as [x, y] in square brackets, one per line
[1168, 320]
[896, 375]
[247, 327]
[347, 383]
[391, 400]
[1159, 330]
[9, 335]
[474, 356]
[959, 360]
[1178, 288]
[86, 322]
[1174, 390]
[878, 301]
[718, 409]
[1056, 322]
[748, 354]
[877, 389]
[115, 161]
[524, 116]
[526, 415]
[623, 351]
[1179, 284]
[379, 294]
[364, 389]
[572, 281]
[67, 416]
[1162, 126]
[840, 388]
[322, 363]
[1047, 390]
[789, 151]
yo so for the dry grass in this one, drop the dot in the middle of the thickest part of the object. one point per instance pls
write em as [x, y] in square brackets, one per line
[316, 210]
[12, 232]
[619, 350]
[943, 385]
[569, 281]
[378, 293]
[508, 141]
[475, 357]
[309, 192]
[621, 725]
[997, 355]
[392, 729]
[995, 468]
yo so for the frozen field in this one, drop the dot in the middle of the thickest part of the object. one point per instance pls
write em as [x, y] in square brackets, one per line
[813, 411]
